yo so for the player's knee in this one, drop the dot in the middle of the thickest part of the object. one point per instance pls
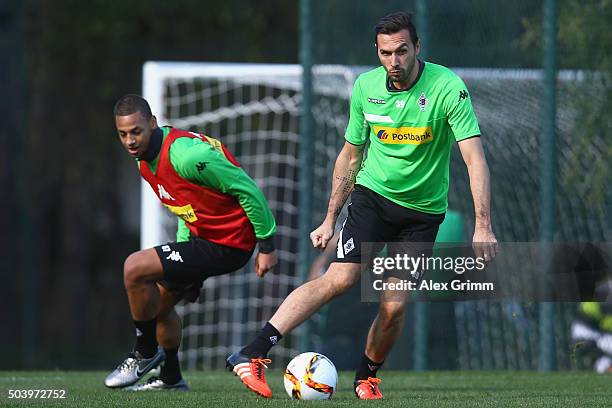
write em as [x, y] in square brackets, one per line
[340, 282]
[391, 312]
[345, 284]
[135, 269]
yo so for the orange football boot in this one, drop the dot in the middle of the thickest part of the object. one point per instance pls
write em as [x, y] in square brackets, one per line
[251, 372]
[368, 389]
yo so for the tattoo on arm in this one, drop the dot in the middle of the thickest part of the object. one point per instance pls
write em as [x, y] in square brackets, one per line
[344, 187]
[347, 181]
[346, 168]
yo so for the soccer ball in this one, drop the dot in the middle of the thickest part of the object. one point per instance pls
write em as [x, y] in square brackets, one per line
[311, 376]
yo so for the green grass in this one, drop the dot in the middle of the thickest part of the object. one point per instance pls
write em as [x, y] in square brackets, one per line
[401, 389]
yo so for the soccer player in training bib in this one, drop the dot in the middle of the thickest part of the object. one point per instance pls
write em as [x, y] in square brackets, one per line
[411, 112]
[222, 216]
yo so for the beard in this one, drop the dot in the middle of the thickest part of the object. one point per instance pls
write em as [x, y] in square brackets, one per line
[403, 74]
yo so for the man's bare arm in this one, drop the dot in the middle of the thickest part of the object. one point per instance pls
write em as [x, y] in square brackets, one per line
[346, 168]
[480, 185]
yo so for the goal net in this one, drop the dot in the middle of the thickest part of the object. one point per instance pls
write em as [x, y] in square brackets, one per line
[254, 110]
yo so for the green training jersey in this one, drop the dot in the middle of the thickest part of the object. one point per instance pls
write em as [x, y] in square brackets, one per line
[411, 133]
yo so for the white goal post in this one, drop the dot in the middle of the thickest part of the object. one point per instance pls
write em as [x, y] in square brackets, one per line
[253, 109]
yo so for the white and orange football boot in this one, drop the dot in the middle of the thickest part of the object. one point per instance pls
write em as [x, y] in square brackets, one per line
[368, 389]
[251, 372]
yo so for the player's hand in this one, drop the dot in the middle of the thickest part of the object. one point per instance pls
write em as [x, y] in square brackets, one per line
[265, 262]
[321, 236]
[484, 243]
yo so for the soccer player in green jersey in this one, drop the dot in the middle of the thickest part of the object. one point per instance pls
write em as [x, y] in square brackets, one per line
[222, 216]
[411, 112]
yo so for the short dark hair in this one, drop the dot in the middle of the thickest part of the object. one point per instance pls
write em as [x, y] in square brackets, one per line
[130, 104]
[395, 22]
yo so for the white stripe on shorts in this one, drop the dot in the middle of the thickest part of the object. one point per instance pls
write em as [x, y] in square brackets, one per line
[339, 247]
[339, 251]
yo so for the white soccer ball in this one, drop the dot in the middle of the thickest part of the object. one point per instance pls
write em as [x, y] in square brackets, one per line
[311, 376]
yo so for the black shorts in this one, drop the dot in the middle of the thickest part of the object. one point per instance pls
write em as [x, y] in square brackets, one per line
[373, 218]
[191, 262]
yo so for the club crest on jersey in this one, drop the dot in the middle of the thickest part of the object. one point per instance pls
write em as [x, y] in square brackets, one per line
[422, 102]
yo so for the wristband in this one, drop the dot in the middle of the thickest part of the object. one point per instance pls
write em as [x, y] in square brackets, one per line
[266, 245]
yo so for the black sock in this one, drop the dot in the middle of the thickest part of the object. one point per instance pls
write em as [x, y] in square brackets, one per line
[367, 368]
[171, 370]
[146, 341]
[266, 338]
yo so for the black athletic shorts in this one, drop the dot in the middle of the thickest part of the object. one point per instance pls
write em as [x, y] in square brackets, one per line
[191, 262]
[373, 218]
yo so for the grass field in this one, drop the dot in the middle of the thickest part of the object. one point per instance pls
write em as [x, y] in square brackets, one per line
[401, 389]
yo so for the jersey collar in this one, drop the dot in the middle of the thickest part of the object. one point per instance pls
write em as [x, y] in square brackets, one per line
[154, 146]
[391, 88]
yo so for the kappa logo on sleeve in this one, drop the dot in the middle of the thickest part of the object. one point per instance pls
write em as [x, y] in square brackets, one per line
[463, 94]
[201, 166]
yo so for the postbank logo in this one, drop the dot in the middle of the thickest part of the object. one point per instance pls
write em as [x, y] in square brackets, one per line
[185, 212]
[404, 135]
